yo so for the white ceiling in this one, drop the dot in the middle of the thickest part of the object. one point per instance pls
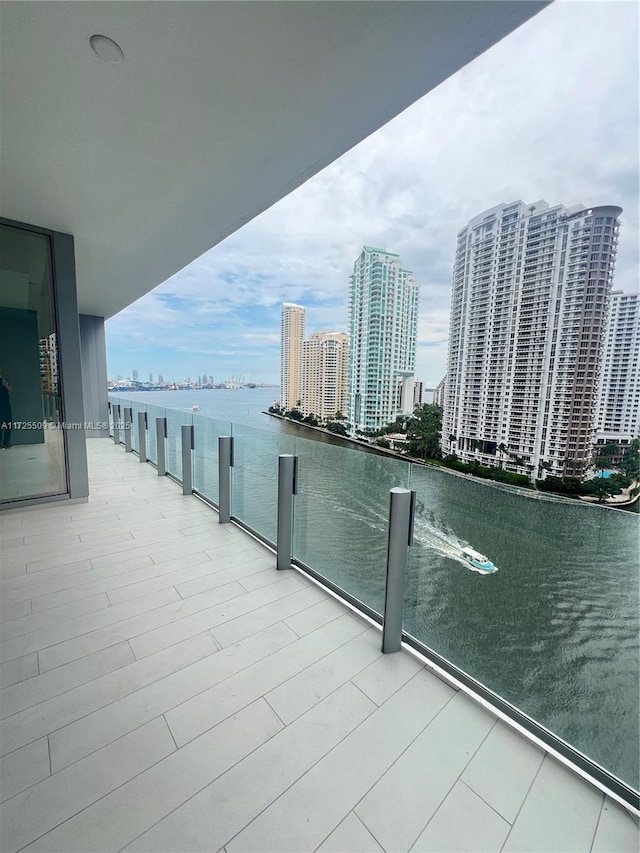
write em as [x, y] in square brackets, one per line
[218, 110]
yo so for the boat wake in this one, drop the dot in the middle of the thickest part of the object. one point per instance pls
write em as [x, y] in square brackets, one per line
[444, 542]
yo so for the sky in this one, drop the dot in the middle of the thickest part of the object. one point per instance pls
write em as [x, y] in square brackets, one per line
[551, 112]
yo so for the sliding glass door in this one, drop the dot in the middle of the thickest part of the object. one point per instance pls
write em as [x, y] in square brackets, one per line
[32, 446]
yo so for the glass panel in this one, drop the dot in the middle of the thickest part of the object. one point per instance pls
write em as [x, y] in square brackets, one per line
[175, 421]
[341, 515]
[32, 453]
[205, 474]
[153, 412]
[254, 492]
[554, 630]
[135, 408]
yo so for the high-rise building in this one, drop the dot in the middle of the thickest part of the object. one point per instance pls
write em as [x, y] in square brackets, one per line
[418, 393]
[383, 326]
[439, 392]
[134, 375]
[160, 379]
[528, 304]
[619, 391]
[151, 378]
[291, 338]
[325, 367]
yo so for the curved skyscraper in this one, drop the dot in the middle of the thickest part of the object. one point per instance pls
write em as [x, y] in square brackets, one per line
[528, 304]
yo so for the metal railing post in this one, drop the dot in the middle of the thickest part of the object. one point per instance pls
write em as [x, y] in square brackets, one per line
[401, 516]
[187, 448]
[287, 488]
[225, 464]
[161, 435]
[142, 436]
[115, 413]
[128, 417]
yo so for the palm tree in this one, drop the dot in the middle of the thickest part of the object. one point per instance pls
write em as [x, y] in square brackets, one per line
[502, 449]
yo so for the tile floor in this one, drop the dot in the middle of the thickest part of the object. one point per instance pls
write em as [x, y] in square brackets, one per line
[163, 688]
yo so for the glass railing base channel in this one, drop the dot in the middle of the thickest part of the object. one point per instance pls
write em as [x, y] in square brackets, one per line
[579, 763]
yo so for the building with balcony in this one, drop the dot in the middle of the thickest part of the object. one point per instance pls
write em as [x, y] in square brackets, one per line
[325, 364]
[529, 296]
[439, 392]
[291, 344]
[383, 328]
[619, 389]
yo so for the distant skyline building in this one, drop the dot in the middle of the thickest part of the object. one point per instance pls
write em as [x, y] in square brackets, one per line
[619, 390]
[418, 393]
[134, 375]
[528, 304]
[383, 328]
[439, 392]
[291, 339]
[325, 368]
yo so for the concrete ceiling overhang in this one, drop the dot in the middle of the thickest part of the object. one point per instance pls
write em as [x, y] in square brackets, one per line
[218, 110]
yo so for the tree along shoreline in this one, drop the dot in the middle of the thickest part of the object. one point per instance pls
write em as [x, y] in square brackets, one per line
[529, 491]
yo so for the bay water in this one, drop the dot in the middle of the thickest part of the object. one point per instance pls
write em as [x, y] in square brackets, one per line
[554, 631]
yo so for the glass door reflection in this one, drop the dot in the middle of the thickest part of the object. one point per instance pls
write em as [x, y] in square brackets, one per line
[32, 456]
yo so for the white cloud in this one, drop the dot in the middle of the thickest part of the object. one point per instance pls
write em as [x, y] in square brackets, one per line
[550, 112]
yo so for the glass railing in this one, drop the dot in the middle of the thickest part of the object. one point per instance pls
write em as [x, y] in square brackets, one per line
[207, 431]
[550, 638]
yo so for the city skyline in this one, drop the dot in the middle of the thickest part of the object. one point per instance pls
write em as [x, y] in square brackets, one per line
[468, 145]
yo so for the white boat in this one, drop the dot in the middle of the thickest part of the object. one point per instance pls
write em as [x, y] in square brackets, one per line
[479, 562]
[195, 408]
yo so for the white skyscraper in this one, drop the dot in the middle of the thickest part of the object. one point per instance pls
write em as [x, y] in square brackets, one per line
[324, 374]
[528, 303]
[383, 327]
[619, 392]
[291, 338]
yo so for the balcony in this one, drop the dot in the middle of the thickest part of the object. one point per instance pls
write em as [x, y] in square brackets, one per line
[153, 656]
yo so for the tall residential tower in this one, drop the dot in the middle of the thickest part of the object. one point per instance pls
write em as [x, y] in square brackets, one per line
[619, 393]
[291, 338]
[528, 304]
[324, 374]
[383, 326]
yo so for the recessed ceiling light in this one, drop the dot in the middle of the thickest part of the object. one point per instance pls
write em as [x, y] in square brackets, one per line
[106, 49]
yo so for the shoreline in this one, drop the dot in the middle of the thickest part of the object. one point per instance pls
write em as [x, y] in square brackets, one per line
[532, 494]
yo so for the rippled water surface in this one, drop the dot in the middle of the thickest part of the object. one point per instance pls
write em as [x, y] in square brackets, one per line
[554, 631]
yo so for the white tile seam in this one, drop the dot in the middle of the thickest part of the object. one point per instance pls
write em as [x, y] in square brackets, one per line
[97, 800]
[437, 809]
[524, 800]
[75, 686]
[318, 660]
[308, 770]
[102, 707]
[87, 633]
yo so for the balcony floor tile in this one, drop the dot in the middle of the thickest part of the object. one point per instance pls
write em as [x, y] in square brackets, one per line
[164, 688]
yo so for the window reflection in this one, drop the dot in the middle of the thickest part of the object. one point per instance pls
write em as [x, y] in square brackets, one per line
[32, 461]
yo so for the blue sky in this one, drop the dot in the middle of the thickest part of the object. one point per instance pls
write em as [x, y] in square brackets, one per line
[551, 112]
